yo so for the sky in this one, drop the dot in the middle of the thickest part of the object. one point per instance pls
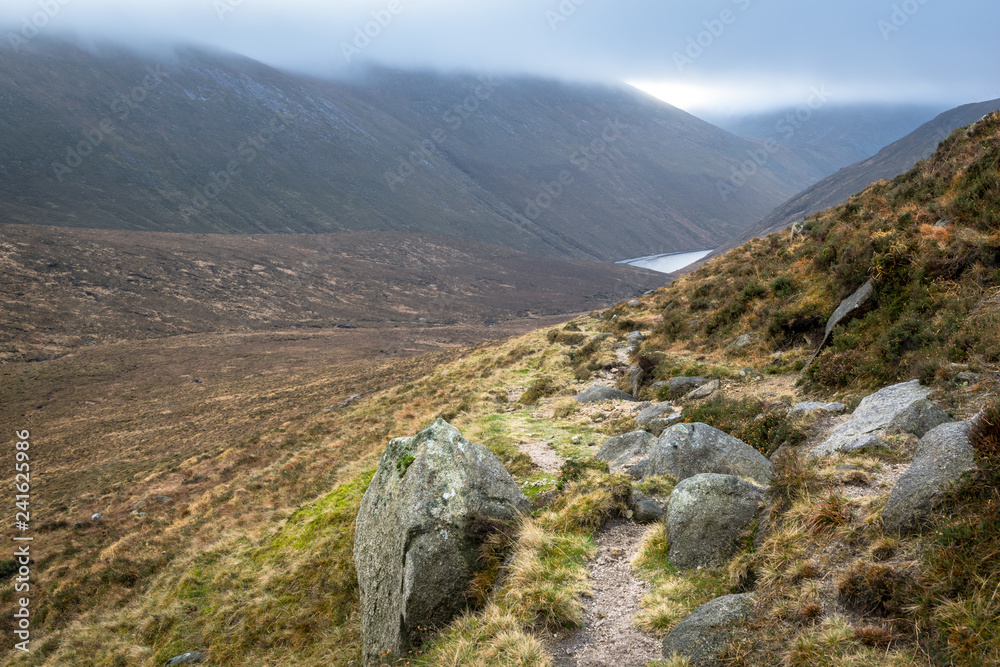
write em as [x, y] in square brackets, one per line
[715, 56]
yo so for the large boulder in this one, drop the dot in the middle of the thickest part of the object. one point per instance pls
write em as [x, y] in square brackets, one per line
[706, 516]
[626, 450]
[599, 393]
[942, 456]
[874, 413]
[918, 418]
[684, 450]
[418, 532]
[704, 635]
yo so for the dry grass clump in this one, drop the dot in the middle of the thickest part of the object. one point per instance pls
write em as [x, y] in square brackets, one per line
[675, 594]
[872, 588]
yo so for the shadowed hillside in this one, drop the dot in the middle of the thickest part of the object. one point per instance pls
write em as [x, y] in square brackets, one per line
[217, 143]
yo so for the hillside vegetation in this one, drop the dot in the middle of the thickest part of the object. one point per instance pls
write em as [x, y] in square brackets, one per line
[930, 242]
[250, 559]
[891, 161]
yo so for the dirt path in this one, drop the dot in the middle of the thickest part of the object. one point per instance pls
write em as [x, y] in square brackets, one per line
[543, 455]
[608, 636]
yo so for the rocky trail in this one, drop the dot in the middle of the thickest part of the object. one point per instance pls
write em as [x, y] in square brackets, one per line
[609, 635]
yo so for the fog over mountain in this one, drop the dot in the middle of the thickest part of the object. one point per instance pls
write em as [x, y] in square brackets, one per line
[730, 55]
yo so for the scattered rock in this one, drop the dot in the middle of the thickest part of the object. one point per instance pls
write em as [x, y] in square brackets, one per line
[635, 337]
[845, 311]
[576, 440]
[918, 418]
[866, 443]
[683, 385]
[741, 342]
[418, 532]
[644, 509]
[657, 386]
[97, 516]
[598, 393]
[873, 414]
[685, 450]
[624, 450]
[634, 303]
[660, 424]
[191, 658]
[706, 516]
[347, 401]
[704, 391]
[703, 635]
[635, 378]
[967, 377]
[652, 412]
[748, 374]
[811, 406]
[942, 456]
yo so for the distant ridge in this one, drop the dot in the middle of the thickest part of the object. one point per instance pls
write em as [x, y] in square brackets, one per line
[890, 162]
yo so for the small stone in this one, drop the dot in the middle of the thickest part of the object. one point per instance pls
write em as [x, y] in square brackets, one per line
[96, 516]
[576, 440]
[190, 658]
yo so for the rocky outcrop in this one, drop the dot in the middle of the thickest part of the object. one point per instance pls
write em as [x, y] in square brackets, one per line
[599, 393]
[704, 635]
[942, 456]
[847, 309]
[918, 418]
[416, 544]
[684, 450]
[874, 413]
[706, 516]
[626, 450]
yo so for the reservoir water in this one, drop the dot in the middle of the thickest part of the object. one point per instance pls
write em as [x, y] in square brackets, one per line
[667, 263]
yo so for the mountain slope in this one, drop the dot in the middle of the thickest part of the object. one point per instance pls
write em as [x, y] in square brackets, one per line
[888, 163]
[219, 143]
[930, 243]
[832, 137]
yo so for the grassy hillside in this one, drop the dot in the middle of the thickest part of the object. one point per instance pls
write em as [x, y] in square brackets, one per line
[930, 241]
[249, 559]
[891, 161]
